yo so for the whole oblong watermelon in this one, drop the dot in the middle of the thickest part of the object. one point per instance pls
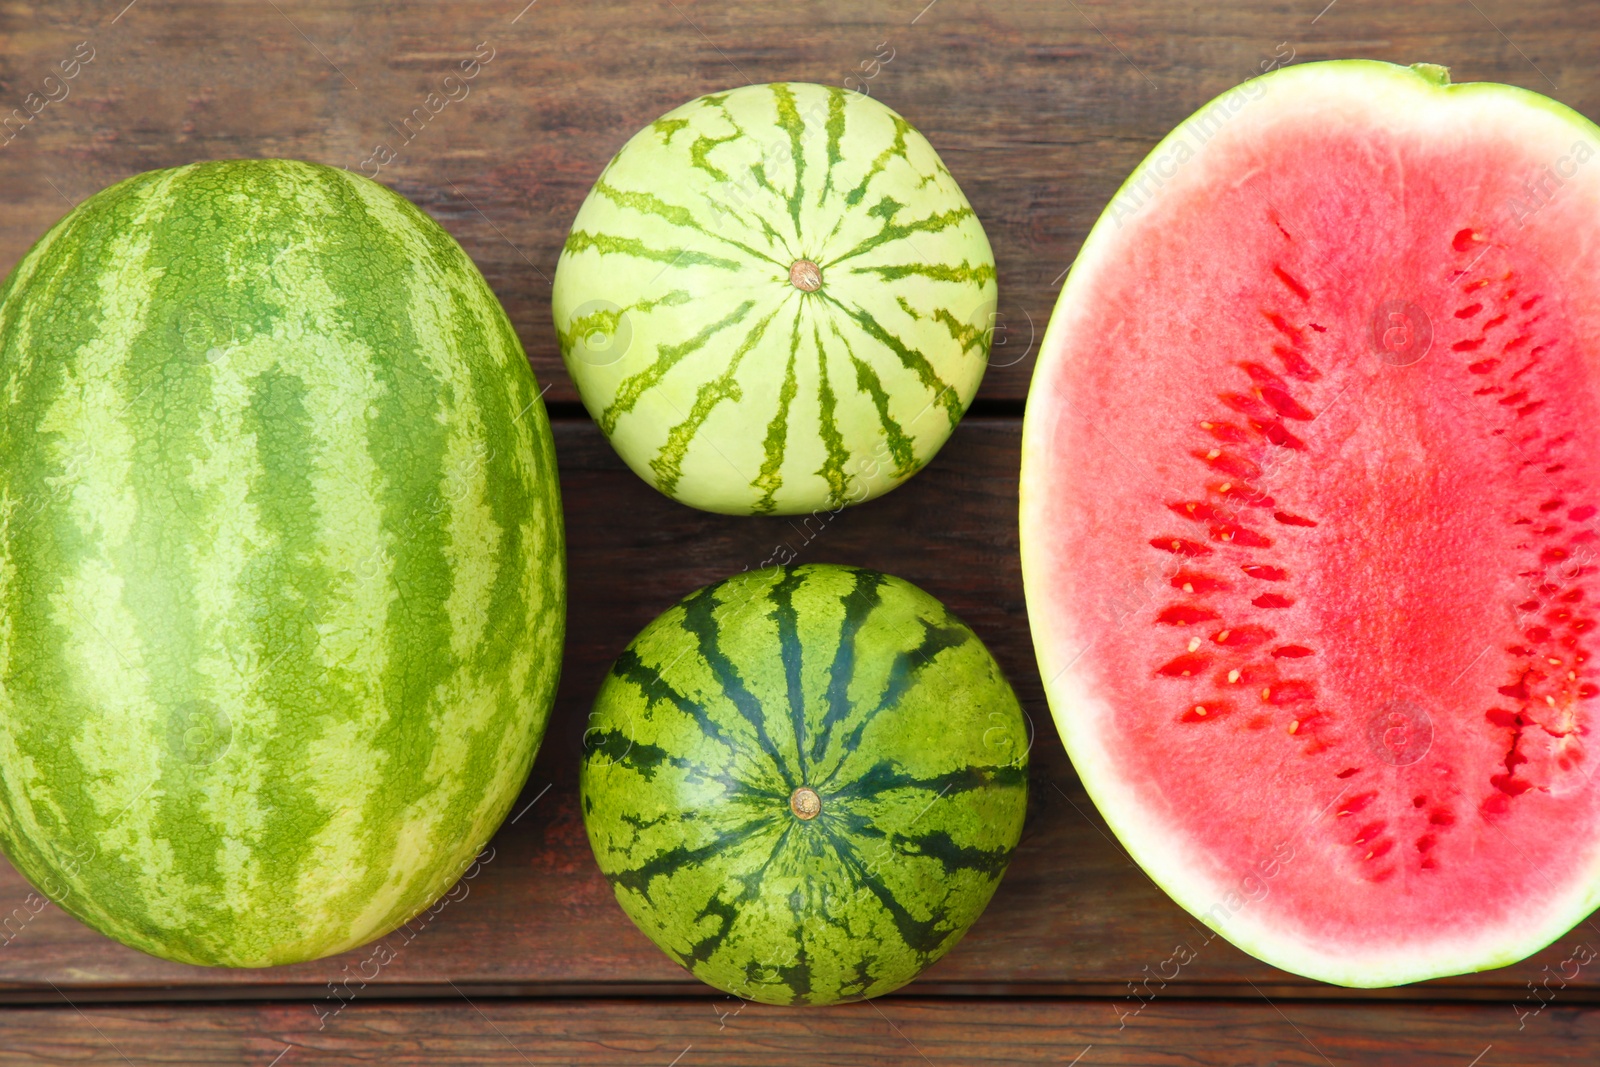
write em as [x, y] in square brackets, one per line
[271, 460]
[776, 300]
[804, 783]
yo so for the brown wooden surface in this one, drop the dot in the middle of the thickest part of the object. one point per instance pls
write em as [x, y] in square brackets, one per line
[1040, 109]
[891, 1032]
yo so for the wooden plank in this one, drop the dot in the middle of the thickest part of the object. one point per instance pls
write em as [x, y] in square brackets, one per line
[1040, 110]
[891, 1032]
[1074, 914]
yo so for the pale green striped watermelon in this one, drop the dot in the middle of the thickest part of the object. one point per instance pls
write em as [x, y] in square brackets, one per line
[281, 565]
[804, 783]
[776, 300]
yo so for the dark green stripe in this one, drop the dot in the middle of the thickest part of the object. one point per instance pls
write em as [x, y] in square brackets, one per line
[677, 215]
[886, 209]
[968, 334]
[668, 128]
[911, 358]
[939, 846]
[611, 245]
[667, 357]
[635, 671]
[772, 446]
[700, 151]
[790, 652]
[42, 537]
[835, 130]
[903, 673]
[700, 621]
[641, 757]
[905, 457]
[982, 274]
[607, 319]
[672, 860]
[896, 150]
[790, 122]
[521, 493]
[700, 154]
[866, 593]
[758, 171]
[725, 909]
[924, 936]
[886, 776]
[832, 469]
[668, 463]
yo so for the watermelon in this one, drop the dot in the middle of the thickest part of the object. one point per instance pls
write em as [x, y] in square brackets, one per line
[1309, 487]
[776, 300]
[804, 783]
[271, 460]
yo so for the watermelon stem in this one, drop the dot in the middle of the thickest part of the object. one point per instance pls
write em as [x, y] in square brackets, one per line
[805, 803]
[1433, 72]
[805, 276]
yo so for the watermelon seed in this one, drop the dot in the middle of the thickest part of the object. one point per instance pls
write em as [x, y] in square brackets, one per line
[1294, 284]
[1233, 675]
[1194, 643]
[805, 803]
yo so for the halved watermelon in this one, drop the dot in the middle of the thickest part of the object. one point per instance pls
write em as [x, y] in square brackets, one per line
[1309, 531]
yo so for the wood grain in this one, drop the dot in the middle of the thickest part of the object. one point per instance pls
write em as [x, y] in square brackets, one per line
[1073, 915]
[891, 1032]
[1039, 109]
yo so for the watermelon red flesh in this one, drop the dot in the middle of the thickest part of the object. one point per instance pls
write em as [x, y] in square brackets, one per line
[1222, 474]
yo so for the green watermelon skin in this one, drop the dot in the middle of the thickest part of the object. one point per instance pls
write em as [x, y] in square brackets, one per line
[718, 379]
[271, 459]
[855, 684]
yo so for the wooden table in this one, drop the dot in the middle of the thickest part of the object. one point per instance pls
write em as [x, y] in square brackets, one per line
[1040, 110]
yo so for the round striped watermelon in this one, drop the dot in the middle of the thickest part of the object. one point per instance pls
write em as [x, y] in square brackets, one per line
[271, 460]
[776, 300]
[804, 783]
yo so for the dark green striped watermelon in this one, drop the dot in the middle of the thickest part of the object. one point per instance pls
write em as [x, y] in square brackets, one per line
[271, 461]
[804, 783]
[776, 300]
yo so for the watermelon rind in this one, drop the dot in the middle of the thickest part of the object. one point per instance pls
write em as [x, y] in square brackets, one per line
[282, 577]
[776, 300]
[1375, 88]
